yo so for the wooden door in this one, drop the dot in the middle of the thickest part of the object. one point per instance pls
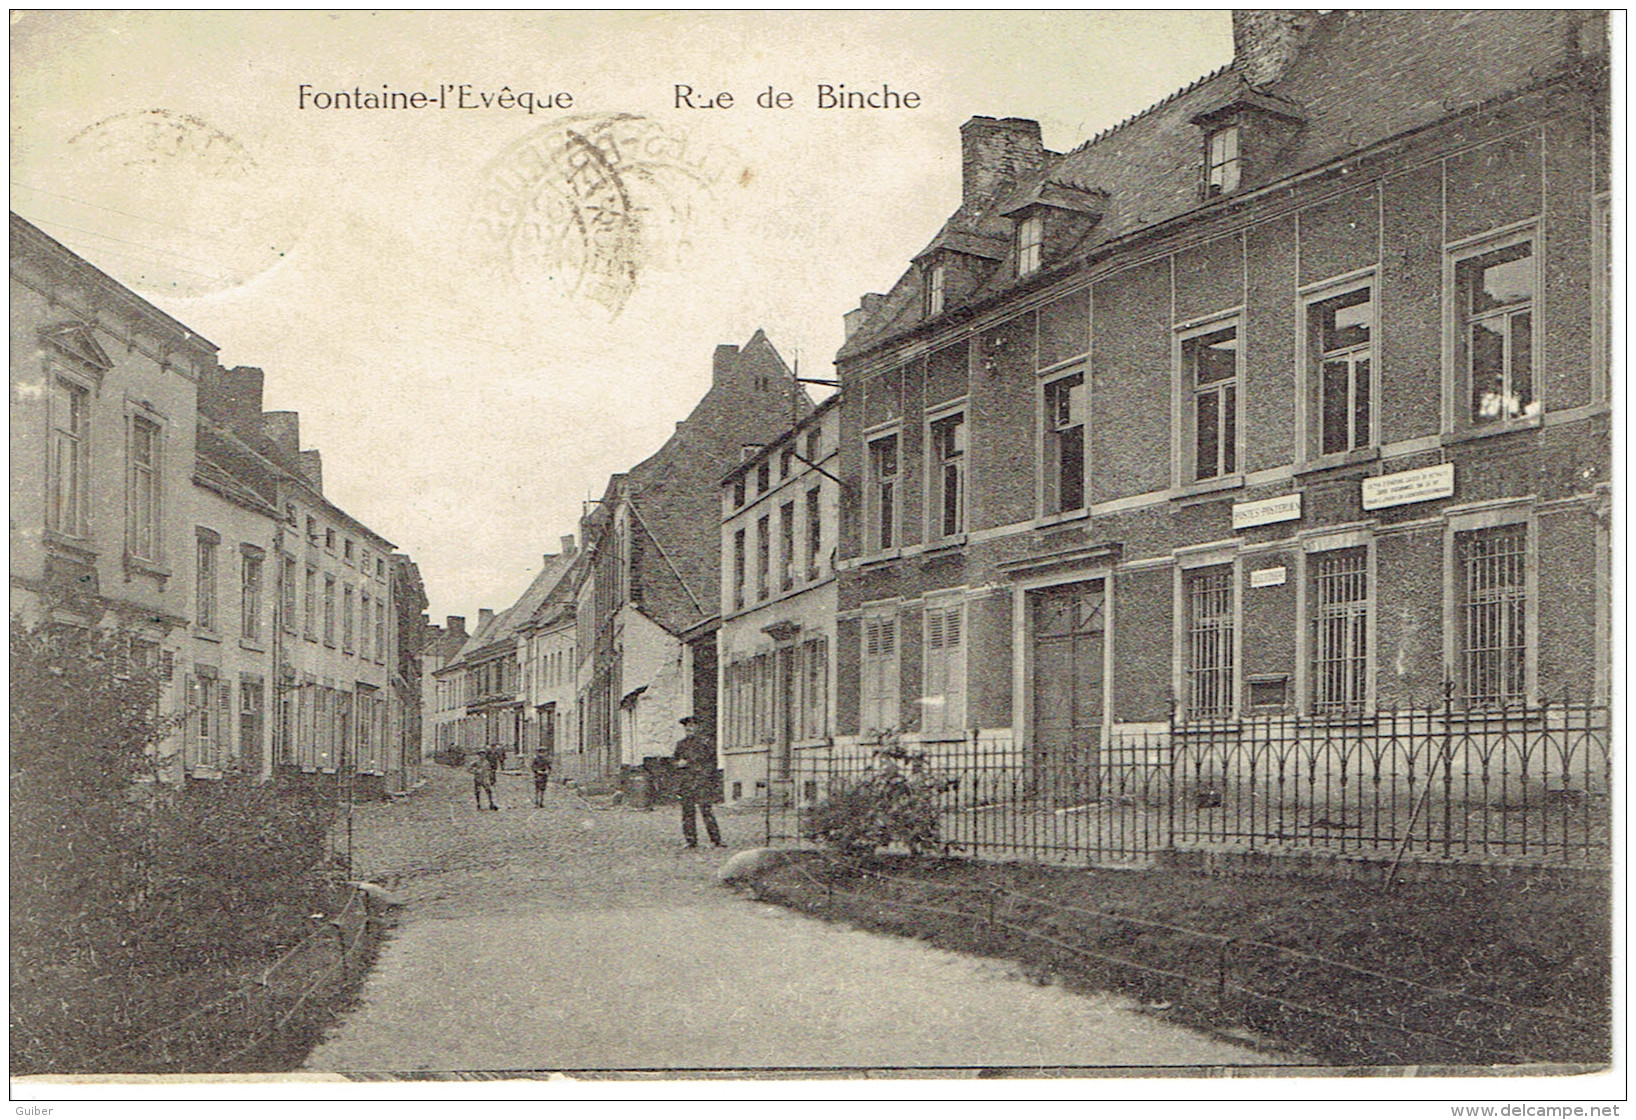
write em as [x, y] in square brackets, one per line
[1068, 624]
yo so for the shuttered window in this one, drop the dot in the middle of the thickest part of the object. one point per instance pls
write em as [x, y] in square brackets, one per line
[878, 702]
[944, 703]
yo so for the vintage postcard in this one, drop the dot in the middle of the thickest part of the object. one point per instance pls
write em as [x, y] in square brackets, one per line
[761, 551]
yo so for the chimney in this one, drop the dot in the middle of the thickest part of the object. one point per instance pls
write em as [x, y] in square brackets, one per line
[1265, 40]
[994, 154]
[284, 429]
[725, 363]
[312, 465]
[484, 617]
[242, 391]
[568, 544]
[455, 624]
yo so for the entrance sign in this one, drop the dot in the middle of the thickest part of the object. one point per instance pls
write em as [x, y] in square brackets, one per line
[1267, 511]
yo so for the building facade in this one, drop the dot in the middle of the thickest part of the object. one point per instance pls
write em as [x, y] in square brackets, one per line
[546, 650]
[776, 643]
[652, 567]
[1289, 393]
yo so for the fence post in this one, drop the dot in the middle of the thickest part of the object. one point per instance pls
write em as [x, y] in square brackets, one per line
[1448, 768]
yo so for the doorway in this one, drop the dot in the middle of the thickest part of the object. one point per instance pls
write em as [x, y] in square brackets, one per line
[1068, 623]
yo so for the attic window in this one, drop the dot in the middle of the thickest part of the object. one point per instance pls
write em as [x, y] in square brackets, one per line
[1030, 238]
[1221, 162]
[935, 288]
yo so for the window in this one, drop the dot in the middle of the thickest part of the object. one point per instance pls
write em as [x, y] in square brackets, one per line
[1210, 375]
[785, 457]
[250, 719]
[738, 491]
[329, 611]
[380, 631]
[814, 723]
[346, 549]
[1064, 458]
[1210, 642]
[210, 711]
[1221, 164]
[380, 567]
[312, 530]
[878, 697]
[763, 476]
[329, 539]
[786, 545]
[346, 618]
[364, 623]
[144, 489]
[1030, 239]
[1493, 591]
[1339, 336]
[949, 475]
[763, 558]
[1495, 301]
[1340, 629]
[204, 616]
[70, 457]
[815, 535]
[250, 595]
[883, 487]
[812, 445]
[944, 706]
[311, 607]
[936, 282]
[287, 595]
[738, 570]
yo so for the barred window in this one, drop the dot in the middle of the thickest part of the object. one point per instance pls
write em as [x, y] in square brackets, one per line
[1210, 642]
[1340, 622]
[1494, 614]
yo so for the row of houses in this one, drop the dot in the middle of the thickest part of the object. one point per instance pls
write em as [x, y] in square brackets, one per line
[149, 490]
[1289, 394]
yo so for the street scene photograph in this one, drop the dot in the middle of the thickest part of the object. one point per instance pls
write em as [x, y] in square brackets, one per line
[807, 554]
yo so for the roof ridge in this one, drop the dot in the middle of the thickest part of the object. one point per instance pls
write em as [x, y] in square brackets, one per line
[1153, 108]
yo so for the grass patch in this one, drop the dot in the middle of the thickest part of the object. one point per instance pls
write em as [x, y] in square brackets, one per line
[1502, 972]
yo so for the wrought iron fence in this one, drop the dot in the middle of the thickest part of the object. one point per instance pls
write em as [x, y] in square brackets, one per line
[1523, 784]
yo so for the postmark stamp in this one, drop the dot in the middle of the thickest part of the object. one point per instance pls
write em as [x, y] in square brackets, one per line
[587, 204]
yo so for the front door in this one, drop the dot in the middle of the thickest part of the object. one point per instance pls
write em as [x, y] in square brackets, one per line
[784, 711]
[1068, 623]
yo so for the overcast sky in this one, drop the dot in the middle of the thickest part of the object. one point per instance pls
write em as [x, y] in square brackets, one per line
[467, 386]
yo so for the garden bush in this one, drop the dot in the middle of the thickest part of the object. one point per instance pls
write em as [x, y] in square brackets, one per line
[898, 799]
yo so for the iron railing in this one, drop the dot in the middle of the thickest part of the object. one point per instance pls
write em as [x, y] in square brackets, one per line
[1504, 784]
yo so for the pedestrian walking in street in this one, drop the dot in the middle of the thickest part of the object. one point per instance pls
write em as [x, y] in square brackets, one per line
[541, 765]
[482, 778]
[695, 762]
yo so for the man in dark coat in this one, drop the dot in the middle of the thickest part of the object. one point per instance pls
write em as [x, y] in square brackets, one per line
[695, 764]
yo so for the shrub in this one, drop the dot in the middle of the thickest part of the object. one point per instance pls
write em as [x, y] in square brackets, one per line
[898, 799]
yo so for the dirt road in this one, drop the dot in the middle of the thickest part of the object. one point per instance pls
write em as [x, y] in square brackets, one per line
[569, 938]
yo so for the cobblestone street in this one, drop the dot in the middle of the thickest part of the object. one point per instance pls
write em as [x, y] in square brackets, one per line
[576, 938]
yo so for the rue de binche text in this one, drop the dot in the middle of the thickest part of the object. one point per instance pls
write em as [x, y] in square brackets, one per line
[461, 96]
[826, 96]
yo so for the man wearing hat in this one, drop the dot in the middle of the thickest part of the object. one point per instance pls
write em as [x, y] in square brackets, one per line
[695, 763]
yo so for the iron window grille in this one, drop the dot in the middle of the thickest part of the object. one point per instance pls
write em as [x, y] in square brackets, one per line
[1494, 614]
[1210, 643]
[1340, 622]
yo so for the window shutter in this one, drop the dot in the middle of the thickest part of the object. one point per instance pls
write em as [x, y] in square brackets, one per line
[954, 661]
[224, 723]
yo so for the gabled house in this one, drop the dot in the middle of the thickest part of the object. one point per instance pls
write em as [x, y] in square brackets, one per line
[650, 585]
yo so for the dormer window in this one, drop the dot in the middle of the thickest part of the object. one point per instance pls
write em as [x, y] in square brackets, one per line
[936, 286]
[1221, 166]
[1030, 242]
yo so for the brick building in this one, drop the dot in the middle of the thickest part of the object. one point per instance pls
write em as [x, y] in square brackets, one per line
[1289, 393]
[649, 587]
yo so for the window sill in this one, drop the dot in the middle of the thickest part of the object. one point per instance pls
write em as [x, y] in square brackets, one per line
[1050, 519]
[252, 644]
[1337, 461]
[869, 559]
[944, 545]
[146, 567]
[207, 635]
[79, 547]
[1207, 487]
[1498, 428]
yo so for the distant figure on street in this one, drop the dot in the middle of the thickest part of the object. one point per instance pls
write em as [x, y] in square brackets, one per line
[541, 765]
[482, 777]
[695, 762]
